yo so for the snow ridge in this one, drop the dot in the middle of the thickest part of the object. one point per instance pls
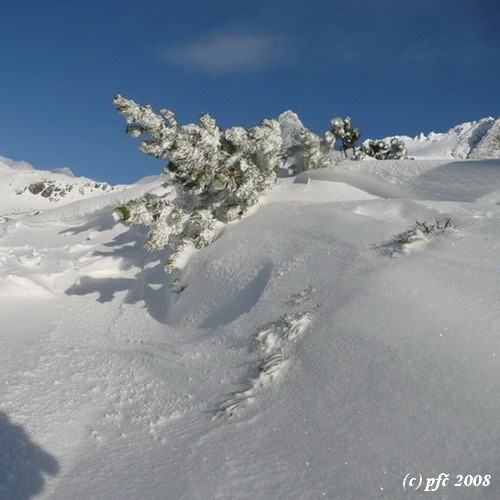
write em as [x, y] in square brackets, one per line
[471, 140]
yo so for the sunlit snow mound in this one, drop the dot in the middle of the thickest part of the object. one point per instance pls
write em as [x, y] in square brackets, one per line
[325, 346]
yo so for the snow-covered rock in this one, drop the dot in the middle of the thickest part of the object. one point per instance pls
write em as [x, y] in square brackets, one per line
[290, 125]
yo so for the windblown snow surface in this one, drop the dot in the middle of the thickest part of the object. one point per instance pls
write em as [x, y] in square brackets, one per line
[310, 355]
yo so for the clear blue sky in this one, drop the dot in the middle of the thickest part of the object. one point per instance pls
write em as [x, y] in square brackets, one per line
[394, 66]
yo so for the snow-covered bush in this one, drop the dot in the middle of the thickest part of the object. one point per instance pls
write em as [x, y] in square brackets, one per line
[419, 234]
[305, 150]
[395, 149]
[214, 176]
[345, 135]
[310, 151]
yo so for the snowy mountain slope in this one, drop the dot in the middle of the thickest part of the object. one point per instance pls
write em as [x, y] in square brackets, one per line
[47, 194]
[7, 165]
[472, 140]
[489, 145]
[26, 190]
[309, 356]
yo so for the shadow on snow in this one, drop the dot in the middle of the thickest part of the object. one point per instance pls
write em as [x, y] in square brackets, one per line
[151, 284]
[23, 463]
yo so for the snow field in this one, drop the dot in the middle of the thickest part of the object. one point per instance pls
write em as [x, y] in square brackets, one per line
[341, 365]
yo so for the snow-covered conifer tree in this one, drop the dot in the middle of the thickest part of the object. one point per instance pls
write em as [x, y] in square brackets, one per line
[214, 176]
[310, 151]
[343, 132]
[316, 149]
[395, 149]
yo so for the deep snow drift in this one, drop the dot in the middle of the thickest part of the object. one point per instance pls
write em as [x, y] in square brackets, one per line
[311, 354]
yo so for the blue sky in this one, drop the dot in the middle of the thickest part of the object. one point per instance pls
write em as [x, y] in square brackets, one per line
[394, 66]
